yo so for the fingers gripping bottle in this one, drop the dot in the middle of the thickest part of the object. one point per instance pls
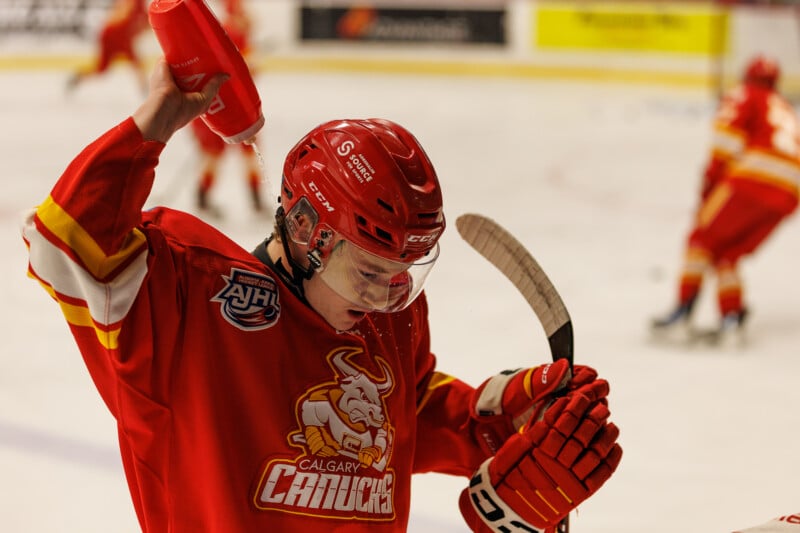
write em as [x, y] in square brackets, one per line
[196, 47]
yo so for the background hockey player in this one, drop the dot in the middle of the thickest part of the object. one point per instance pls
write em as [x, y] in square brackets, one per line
[126, 21]
[293, 388]
[750, 185]
[238, 25]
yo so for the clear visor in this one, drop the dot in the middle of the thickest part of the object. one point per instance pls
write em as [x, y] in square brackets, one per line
[372, 282]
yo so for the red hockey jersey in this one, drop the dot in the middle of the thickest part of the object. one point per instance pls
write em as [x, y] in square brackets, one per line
[239, 408]
[756, 147]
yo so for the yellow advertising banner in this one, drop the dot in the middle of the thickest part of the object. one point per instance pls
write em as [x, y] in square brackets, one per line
[650, 27]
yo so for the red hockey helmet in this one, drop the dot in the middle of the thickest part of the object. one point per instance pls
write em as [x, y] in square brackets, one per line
[370, 183]
[762, 70]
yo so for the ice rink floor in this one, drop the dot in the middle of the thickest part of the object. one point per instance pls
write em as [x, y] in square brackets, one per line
[598, 180]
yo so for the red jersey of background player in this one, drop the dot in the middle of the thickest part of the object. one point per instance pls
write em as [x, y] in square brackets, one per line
[237, 25]
[126, 21]
[117, 40]
[749, 186]
[755, 146]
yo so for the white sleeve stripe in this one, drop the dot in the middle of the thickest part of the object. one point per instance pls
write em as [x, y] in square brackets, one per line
[108, 302]
[766, 164]
[727, 142]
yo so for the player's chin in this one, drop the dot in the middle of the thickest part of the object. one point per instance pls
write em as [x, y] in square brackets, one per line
[347, 319]
[354, 316]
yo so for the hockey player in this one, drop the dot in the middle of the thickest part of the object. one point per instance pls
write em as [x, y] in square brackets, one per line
[293, 388]
[750, 185]
[237, 24]
[117, 39]
[212, 149]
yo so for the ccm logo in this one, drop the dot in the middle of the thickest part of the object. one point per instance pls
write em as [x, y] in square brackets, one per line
[320, 197]
[423, 238]
[545, 370]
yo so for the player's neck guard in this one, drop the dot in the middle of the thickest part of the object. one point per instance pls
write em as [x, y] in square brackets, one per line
[293, 277]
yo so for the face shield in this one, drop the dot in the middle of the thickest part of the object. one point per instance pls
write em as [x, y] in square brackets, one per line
[366, 280]
[373, 282]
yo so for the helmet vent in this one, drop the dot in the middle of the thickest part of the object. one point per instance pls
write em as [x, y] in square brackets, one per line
[304, 151]
[375, 233]
[385, 205]
[383, 234]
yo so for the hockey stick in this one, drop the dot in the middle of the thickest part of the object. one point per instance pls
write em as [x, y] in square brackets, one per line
[506, 253]
[509, 256]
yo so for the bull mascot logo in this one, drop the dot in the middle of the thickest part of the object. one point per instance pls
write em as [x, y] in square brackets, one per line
[346, 418]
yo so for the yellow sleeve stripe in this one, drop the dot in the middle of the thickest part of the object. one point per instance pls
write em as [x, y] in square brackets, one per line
[79, 315]
[68, 231]
[84, 300]
[437, 380]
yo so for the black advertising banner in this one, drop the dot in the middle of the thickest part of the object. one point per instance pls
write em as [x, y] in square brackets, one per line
[50, 16]
[419, 25]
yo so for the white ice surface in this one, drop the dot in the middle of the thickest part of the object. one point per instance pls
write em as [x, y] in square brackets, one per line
[597, 180]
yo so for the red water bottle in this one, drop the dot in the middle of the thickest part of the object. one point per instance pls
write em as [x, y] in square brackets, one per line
[196, 47]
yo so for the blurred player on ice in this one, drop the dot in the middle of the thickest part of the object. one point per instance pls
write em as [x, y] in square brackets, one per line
[293, 388]
[237, 24]
[750, 185]
[126, 21]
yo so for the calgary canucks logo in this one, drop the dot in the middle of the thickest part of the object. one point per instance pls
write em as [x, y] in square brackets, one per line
[346, 440]
[249, 300]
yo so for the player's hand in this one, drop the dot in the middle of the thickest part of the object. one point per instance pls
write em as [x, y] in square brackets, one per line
[546, 470]
[507, 401]
[167, 109]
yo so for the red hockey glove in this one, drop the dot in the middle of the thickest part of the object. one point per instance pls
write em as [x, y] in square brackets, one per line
[506, 402]
[548, 469]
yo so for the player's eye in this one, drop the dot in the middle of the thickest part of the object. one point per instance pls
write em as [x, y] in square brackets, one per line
[371, 276]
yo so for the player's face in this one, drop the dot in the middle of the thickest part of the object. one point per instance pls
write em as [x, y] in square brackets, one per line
[336, 310]
[364, 279]
[371, 282]
[351, 281]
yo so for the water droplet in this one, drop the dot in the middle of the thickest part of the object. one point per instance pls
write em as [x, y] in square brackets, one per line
[263, 166]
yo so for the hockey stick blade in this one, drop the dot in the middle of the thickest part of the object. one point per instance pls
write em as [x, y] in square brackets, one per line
[516, 263]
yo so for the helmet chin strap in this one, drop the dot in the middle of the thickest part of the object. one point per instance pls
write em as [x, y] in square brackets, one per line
[296, 274]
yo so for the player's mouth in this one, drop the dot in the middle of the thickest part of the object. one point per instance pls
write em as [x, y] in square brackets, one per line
[356, 314]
